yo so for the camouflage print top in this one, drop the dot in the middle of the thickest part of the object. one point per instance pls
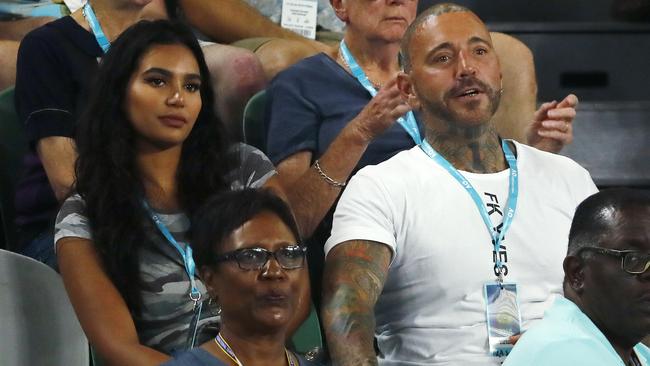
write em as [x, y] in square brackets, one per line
[167, 311]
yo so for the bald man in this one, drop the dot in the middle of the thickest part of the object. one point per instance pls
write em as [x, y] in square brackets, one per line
[447, 251]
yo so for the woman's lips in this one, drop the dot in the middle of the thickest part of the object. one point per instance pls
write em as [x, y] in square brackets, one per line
[275, 298]
[173, 120]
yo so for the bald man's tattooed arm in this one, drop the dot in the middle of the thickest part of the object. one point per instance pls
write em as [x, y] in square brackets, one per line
[355, 272]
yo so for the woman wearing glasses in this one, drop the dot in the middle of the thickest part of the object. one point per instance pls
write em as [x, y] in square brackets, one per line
[255, 269]
[150, 153]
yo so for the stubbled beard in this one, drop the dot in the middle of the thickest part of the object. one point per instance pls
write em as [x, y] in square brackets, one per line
[440, 111]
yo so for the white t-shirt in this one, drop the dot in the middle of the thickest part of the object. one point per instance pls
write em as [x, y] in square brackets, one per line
[431, 310]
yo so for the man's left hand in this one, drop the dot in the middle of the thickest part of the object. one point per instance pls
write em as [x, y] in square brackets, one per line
[553, 125]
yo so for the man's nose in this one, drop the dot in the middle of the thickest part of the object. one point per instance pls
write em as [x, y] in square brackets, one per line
[465, 65]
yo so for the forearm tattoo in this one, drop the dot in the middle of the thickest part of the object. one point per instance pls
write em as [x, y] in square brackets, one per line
[354, 277]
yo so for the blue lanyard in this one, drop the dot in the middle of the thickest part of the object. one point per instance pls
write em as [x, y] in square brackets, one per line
[186, 254]
[408, 123]
[89, 14]
[513, 193]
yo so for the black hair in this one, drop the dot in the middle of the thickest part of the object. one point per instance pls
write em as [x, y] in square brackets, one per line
[107, 177]
[438, 9]
[225, 212]
[597, 215]
[173, 9]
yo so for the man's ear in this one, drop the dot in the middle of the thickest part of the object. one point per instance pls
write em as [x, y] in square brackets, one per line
[339, 9]
[407, 89]
[574, 269]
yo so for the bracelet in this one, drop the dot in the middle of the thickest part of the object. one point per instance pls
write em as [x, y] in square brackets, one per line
[327, 178]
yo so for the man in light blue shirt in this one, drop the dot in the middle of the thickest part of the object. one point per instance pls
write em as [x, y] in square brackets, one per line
[606, 312]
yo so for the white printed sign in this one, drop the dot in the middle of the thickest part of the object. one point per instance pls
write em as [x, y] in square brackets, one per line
[74, 5]
[300, 16]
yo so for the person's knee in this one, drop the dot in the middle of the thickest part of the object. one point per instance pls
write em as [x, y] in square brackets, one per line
[15, 30]
[278, 54]
[8, 54]
[248, 73]
[237, 75]
[236, 70]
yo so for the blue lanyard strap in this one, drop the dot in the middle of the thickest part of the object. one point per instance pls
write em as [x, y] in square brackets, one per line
[186, 254]
[408, 123]
[89, 14]
[513, 193]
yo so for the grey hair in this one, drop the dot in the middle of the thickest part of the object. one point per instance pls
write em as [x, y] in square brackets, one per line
[438, 9]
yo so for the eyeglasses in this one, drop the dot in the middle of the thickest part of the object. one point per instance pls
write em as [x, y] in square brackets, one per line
[632, 261]
[289, 257]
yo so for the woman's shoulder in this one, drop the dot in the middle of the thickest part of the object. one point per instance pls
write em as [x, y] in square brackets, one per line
[71, 221]
[252, 167]
[73, 205]
[244, 151]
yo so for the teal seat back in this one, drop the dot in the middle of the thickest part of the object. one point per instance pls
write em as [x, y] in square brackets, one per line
[13, 146]
[254, 129]
[307, 339]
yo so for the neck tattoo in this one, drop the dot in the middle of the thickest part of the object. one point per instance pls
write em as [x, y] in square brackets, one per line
[481, 154]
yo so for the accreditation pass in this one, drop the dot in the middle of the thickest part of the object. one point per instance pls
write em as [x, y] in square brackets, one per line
[300, 17]
[503, 316]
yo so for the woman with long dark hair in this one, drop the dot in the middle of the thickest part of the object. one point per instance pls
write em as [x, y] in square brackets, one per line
[55, 65]
[150, 152]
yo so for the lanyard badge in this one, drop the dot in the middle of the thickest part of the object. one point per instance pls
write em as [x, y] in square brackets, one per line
[503, 316]
[89, 14]
[409, 124]
[501, 304]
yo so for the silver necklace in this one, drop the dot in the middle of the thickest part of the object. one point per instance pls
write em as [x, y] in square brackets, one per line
[377, 86]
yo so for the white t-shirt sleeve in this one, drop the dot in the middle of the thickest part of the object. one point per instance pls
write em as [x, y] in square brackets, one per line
[364, 212]
[586, 186]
